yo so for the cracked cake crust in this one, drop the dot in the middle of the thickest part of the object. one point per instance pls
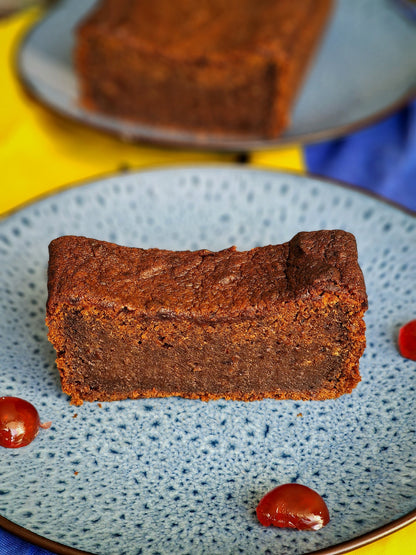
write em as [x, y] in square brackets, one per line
[282, 321]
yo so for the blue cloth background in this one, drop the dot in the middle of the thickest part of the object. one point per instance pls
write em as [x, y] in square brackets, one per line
[380, 158]
[11, 545]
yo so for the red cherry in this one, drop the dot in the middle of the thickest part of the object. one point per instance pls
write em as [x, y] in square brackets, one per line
[19, 422]
[293, 506]
[407, 340]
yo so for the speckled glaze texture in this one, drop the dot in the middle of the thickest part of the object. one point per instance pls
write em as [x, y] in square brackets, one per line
[183, 476]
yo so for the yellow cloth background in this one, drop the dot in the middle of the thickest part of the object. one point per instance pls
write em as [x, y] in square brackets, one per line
[40, 152]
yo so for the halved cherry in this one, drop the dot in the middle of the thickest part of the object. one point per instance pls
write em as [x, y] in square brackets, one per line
[293, 506]
[407, 340]
[19, 422]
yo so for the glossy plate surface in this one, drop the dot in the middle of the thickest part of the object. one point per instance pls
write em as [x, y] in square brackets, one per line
[363, 69]
[182, 476]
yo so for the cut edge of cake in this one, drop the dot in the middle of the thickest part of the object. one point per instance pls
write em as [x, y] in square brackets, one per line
[317, 280]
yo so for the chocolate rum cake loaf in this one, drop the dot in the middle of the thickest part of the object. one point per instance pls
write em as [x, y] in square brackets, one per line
[282, 321]
[228, 67]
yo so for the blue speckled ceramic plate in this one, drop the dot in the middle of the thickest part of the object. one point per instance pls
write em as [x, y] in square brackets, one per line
[362, 70]
[182, 476]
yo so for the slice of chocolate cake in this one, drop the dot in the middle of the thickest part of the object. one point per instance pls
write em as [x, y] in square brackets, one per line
[222, 67]
[282, 321]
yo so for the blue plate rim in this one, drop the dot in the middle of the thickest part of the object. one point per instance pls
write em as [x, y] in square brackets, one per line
[215, 164]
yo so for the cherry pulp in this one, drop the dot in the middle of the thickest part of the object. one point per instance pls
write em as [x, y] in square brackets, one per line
[407, 340]
[293, 506]
[19, 422]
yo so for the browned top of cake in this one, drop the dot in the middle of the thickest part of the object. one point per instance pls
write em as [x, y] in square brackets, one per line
[202, 284]
[192, 29]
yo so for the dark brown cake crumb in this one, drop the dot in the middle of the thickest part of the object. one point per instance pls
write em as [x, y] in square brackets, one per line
[282, 321]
